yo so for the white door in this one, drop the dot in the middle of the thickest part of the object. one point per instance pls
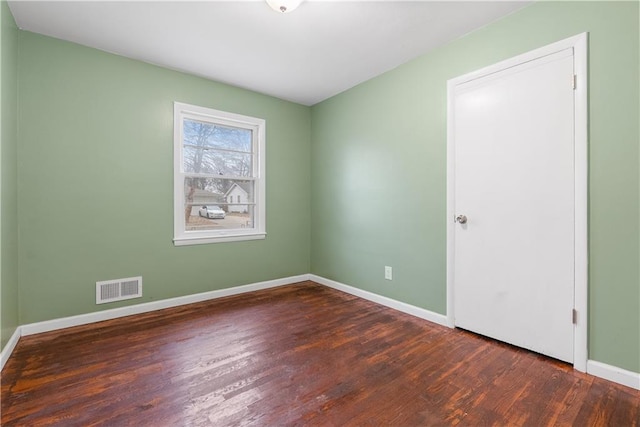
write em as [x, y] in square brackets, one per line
[514, 182]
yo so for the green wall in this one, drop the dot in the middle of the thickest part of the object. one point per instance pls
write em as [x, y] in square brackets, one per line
[378, 180]
[95, 168]
[8, 176]
[94, 173]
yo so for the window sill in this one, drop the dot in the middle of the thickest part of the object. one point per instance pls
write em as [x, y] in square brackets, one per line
[202, 240]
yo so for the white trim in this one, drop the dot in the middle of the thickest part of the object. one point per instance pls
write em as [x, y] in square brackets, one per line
[581, 162]
[183, 237]
[186, 241]
[422, 313]
[579, 45]
[598, 369]
[10, 346]
[451, 208]
[613, 373]
[550, 49]
[99, 316]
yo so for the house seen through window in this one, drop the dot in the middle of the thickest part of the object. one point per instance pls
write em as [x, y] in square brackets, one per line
[219, 159]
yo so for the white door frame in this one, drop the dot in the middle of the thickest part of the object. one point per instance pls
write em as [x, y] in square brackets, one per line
[579, 45]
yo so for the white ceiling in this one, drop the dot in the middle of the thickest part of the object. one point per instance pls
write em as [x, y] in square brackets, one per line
[317, 51]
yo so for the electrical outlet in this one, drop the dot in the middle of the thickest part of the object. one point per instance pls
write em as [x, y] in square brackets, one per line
[388, 273]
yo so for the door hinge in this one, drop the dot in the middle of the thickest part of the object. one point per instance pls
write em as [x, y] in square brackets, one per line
[574, 81]
[574, 316]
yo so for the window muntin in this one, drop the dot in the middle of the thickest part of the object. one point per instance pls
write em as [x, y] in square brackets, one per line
[217, 155]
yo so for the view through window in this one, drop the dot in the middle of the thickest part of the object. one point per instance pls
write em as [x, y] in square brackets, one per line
[219, 175]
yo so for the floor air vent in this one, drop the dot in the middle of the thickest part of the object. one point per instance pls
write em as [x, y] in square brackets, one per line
[119, 289]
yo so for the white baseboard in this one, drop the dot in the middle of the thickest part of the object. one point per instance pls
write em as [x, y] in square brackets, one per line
[9, 347]
[99, 316]
[613, 373]
[422, 313]
[598, 369]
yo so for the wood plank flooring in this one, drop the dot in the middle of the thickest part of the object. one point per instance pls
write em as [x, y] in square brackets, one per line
[301, 354]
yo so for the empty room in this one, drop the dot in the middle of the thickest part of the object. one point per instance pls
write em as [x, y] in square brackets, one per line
[316, 212]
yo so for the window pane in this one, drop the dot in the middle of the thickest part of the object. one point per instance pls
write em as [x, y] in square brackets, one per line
[218, 176]
[207, 160]
[219, 191]
[200, 134]
[218, 204]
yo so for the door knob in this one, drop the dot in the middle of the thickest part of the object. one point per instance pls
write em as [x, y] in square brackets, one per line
[462, 219]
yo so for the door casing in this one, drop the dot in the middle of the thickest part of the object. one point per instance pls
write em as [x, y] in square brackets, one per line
[579, 45]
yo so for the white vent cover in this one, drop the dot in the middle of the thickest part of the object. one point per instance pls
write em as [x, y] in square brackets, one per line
[118, 289]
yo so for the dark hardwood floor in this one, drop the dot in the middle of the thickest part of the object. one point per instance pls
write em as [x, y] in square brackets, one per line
[296, 355]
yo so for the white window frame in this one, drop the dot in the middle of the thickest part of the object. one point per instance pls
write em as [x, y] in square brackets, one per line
[184, 237]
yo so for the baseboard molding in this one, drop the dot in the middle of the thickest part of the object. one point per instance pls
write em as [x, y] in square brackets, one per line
[613, 373]
[422, 313]
[10, 346]
[99, 316]
[598, 369]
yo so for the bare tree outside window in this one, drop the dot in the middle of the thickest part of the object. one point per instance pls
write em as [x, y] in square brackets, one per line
[216, 157]
[219, 161]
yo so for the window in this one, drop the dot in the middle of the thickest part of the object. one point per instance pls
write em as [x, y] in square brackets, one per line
[217, 154]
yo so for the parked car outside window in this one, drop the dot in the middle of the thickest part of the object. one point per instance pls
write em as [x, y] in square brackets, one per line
[213, 212]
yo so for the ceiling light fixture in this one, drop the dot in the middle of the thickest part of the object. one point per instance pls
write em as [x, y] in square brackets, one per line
[284, 6]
